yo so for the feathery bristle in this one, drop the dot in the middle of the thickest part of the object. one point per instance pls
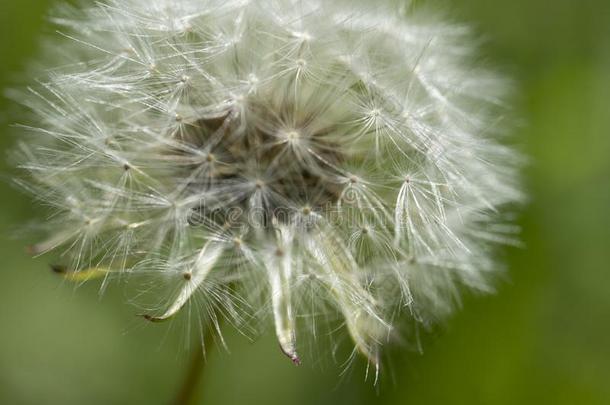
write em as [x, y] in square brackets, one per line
[272, 145]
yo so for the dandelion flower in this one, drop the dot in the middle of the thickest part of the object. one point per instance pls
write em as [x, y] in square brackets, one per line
[281, 159]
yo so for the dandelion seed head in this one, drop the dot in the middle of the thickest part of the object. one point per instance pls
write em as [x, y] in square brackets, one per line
[321, 157]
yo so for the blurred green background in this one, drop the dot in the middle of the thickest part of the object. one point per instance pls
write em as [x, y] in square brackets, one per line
[543, 339]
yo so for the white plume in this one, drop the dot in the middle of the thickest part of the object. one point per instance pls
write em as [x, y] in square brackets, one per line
[330, 157]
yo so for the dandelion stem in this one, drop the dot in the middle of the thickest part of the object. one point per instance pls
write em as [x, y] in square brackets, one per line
[188, 391]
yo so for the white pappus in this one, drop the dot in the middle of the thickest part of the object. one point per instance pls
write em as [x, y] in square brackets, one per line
[284, 159]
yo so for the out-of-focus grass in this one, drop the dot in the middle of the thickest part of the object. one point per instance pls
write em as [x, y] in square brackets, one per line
[541, 339]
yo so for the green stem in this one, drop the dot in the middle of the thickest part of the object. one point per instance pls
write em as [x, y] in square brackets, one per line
[187, 395]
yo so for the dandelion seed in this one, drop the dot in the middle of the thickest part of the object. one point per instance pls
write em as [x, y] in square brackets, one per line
[337, 158]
